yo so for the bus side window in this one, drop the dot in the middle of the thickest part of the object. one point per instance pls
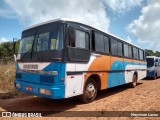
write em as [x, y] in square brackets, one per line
[82, 39]
[114, 46]
[135, 53]
[78, 38]
[99, 42]
[120, 49]
[126, 50]
[141, 54]
[130, 52]
[106, 44]
[144, 55]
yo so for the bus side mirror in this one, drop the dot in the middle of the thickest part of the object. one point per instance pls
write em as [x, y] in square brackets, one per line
[14, 47]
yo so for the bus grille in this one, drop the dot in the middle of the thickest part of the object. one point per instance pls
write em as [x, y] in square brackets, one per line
[47, 79]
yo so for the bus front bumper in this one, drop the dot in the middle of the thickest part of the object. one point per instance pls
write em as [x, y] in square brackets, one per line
[48, 91]
[150, 73]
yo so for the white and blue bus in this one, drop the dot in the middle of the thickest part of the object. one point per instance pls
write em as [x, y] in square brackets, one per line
[63, 58]
[153, 67]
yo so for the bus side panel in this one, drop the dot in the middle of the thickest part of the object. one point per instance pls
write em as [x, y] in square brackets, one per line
[112, 71]
[140, 67]
[129, 66]
[74, 81]
[101, 65]
[116, 75]
[142, 73]
[135, 66]
[158, 68]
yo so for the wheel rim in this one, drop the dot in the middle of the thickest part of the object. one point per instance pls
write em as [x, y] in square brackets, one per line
[90, 90]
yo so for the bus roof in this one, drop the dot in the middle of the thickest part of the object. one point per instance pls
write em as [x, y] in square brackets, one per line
[76, 21]
[152, 57]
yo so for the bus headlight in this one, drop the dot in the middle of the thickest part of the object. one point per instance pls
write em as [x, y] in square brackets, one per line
[45, 91]
[18, 86]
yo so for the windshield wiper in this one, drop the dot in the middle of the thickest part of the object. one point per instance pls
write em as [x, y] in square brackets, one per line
[36, 54]
[26, 53]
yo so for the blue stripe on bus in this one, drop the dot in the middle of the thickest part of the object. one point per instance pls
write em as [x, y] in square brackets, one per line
[59, 67]
[118, 78]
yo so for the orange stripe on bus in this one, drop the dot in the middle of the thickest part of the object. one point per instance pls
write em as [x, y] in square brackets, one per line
[104, 62]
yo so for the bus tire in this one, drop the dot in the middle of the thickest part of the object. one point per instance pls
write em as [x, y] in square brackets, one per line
[89, 91]
[133, 84]
[155, 76]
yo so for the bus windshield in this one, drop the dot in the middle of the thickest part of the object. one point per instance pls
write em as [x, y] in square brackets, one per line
[41, 39]
[150, 62]
[26, 44]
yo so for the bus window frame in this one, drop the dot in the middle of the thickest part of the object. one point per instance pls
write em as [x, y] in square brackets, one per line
[76, 28]
[93, 42]
[91, 33]
[69, 47]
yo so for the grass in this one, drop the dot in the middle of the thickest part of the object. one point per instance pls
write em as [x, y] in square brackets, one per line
[7, 76]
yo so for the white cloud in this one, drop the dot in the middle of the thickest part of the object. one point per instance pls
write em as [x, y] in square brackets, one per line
[122, 6]
[91, 12]
[3, 39]
[147, 26]
[6, 13]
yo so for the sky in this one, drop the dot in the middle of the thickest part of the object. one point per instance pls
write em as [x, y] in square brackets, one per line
[136, 21]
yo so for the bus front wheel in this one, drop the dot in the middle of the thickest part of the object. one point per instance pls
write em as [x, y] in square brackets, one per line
[90, 91]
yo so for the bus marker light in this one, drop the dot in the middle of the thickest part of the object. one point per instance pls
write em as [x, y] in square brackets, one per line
[62, 79]
[72, 77]
[45, 91]
[42, 91]
[29, 88]
[18, 85]
[48, 92]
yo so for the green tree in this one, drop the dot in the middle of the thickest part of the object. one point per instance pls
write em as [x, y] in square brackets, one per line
[149, 52]
[7, 52]
[152, 53]
[157, 53]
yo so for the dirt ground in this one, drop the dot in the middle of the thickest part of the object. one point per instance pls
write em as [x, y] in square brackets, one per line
[145, 97]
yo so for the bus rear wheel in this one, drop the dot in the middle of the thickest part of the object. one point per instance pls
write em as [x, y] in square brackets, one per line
[134, 81]
[90, 91]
